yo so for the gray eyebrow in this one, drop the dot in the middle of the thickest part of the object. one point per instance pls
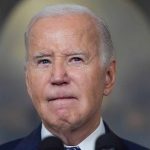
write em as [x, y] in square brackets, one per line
[76, 53]
[41, 55]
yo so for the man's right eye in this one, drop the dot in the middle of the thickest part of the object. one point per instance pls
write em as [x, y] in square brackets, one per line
[44, 61]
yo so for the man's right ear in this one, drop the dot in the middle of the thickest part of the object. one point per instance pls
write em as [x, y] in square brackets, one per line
[27, 80]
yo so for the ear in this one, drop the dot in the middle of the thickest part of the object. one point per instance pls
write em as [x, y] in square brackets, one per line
[110, 76]
[27, 79]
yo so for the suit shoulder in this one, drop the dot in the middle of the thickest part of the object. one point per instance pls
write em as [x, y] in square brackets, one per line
[28, 142]
[125, 144]
[131, 145]
[10, 145]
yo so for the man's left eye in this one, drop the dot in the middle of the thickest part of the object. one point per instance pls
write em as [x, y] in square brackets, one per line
[76, 59]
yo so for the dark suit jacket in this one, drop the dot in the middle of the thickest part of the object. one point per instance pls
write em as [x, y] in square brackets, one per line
[32, 141]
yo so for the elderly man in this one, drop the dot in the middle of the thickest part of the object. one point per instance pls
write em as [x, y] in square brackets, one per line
[70, 66]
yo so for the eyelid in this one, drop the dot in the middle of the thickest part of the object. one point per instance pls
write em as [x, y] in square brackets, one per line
[77, 59]
[42, 60]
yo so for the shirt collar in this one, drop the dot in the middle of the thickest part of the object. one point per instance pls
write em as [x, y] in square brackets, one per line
[86, 144]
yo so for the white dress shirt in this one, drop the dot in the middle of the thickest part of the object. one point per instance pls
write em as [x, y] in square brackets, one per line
[86, 144]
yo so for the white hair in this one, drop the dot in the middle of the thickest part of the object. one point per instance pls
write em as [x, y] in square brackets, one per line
[106, 45]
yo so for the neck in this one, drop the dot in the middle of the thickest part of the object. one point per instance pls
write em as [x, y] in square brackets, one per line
[75, 136]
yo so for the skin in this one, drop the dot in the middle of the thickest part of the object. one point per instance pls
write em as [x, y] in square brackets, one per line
[65, 77]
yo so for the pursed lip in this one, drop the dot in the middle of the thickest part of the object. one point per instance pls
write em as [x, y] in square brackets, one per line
[61, 98]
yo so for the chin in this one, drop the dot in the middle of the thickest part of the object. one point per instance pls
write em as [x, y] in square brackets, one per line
[62, 124]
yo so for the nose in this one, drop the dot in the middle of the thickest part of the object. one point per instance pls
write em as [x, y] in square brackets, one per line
[59, 75]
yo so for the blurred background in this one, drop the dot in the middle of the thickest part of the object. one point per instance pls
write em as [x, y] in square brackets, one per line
[126, 110]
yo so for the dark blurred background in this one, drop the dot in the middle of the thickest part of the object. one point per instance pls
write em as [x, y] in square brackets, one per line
[126, 110]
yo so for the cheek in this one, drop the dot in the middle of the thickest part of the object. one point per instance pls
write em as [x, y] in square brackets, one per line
[88, 77]
[36, 83]
[89, 83]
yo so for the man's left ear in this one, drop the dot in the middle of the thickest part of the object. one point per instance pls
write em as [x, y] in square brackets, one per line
[110, 76]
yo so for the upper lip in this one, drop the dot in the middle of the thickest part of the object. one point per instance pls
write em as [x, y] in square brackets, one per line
[60, 97]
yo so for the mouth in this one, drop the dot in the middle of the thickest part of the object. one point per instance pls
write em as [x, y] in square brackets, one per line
[62, 98]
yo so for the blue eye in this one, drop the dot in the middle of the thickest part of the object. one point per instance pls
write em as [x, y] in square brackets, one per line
[44, 61]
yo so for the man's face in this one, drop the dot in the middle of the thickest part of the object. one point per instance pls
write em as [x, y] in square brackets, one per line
[65, 77]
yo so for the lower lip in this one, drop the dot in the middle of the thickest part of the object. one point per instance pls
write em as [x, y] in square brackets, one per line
[62, 100]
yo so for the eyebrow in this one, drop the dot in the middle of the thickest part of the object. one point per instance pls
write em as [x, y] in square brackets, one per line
[76, 53]
[41, 54]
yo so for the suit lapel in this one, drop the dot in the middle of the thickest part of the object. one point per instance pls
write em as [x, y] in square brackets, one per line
[30, 142]
[110, 141]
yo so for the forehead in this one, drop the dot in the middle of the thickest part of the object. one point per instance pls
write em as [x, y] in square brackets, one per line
[68, 29]
[64, 19]
[77, 23]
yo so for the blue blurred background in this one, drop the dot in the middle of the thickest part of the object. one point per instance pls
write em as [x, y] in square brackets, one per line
[126, 110]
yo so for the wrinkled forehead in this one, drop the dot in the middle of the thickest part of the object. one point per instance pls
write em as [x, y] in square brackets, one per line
[71, 29]
[75, 23]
